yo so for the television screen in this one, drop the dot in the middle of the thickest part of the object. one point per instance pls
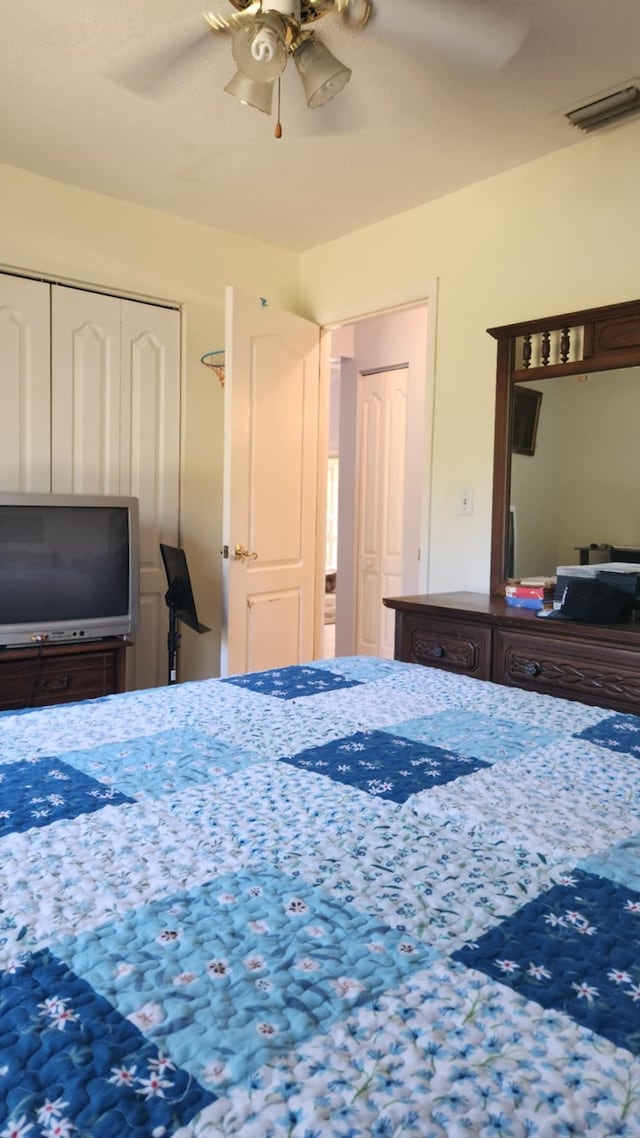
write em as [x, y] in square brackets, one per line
[66, 567]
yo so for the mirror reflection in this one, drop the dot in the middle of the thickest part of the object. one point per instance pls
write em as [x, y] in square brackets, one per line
[574, 471]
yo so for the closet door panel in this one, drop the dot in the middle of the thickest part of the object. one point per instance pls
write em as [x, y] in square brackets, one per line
[25, 446]
[150, 467]
[85, 389]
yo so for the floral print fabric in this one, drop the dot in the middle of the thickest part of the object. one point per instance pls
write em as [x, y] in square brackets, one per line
[356, 899]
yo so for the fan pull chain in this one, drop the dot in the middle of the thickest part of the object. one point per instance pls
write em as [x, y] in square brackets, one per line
[278, 130]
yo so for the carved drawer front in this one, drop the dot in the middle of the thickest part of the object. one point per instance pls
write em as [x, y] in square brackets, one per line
[452, 645]
[29, 682]
[576, 670]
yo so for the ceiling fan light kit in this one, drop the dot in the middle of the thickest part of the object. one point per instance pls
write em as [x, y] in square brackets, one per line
[321, 74]
[260, 48]
[263, 39]
[251, 93]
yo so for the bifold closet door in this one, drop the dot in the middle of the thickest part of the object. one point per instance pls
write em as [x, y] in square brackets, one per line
[25, 452]
[85, 392]
[115, 381]
[150, 466]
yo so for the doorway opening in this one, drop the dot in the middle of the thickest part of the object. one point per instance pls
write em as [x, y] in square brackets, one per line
[331, 556]
[378, 465]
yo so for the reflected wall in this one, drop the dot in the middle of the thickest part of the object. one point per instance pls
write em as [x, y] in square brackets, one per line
[582, 484]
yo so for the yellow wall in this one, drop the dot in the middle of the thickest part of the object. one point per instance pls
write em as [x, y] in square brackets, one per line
[63, 232]
[557, 234]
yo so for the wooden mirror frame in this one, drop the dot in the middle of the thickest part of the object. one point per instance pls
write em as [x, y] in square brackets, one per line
[572, 343]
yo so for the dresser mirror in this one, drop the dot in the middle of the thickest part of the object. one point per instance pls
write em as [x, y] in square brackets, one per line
[565, 487]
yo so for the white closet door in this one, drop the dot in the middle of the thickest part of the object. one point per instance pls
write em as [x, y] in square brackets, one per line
[25, 449]
[150, 467]
[116, 430]
[85, 392]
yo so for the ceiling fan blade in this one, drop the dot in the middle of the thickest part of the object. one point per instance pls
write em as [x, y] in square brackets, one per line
[229, 23]
[480, 33]
[171, 55]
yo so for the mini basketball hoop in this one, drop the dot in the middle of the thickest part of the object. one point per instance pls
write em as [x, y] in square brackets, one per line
[215, 361]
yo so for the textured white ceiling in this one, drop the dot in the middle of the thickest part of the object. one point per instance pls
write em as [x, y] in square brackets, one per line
[126, 97]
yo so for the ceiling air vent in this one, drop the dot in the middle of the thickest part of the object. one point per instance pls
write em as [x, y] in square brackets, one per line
[607, 110]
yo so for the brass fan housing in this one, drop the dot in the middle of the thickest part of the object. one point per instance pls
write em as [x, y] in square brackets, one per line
[311, 10]
[308, 11]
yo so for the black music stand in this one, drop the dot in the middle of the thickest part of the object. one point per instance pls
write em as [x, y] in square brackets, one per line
[180, 602]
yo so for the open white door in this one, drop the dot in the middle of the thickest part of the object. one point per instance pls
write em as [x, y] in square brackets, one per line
[272, 384]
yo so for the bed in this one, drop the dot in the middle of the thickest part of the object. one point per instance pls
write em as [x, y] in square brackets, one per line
[353, 899]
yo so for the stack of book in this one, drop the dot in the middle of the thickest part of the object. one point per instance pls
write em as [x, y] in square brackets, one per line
[530, 592]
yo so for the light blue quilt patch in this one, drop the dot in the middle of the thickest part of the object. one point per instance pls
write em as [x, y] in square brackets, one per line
[620, 863]
[222, 998]
[41, 791]
[361, 668]
[164, 763]
[476, 736]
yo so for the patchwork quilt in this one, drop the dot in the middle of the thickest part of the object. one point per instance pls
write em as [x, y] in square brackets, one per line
[354, 899]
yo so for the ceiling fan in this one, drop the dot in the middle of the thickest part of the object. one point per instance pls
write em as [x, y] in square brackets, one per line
[266, 34]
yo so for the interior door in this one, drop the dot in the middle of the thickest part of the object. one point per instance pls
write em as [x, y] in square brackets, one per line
[270, 513]
[382, 415]
[25, 429]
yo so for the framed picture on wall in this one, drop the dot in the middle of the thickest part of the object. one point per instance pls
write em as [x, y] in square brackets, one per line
[524, 422]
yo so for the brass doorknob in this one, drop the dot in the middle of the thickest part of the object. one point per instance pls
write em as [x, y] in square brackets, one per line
[239, 552]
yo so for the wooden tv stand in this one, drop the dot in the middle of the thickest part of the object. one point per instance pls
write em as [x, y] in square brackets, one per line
[480, 635]
[43, 674]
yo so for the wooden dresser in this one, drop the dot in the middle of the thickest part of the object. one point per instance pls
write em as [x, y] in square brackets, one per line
[60, 673]
[479, 635]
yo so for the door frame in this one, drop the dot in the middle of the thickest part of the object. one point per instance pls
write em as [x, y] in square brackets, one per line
[377, 303]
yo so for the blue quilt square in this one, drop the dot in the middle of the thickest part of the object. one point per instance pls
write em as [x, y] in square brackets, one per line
[70, 1063]
[41, 791]
[480, 736]
[383, 764]
[617, 733]
[222, 996]
[293, 682]
[575, 948]
[161, 764]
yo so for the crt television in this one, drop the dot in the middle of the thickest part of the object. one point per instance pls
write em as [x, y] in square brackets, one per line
[69, 568]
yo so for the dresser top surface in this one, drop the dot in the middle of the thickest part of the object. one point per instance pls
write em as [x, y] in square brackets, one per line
[487, 609]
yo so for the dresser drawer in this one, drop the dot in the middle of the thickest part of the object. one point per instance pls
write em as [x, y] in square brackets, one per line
[456, 646]
[569, 668]
[37, 679]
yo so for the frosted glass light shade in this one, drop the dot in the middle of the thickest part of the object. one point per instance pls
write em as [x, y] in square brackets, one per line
[259, 47]
[251, 93]
[321, 74]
